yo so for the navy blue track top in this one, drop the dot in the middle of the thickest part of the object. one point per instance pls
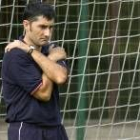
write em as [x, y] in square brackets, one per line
[21, 76]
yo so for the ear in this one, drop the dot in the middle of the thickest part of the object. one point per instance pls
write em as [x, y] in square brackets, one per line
[26, 24]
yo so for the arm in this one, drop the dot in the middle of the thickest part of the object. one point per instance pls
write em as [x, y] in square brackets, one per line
[53, 71]
[44, 92]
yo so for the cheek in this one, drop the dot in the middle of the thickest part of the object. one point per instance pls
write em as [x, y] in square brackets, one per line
[35, 30]
[35, 34]
[38, 33]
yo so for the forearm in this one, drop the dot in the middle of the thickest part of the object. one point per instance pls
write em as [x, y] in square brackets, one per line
[45, 90]
[54, 71]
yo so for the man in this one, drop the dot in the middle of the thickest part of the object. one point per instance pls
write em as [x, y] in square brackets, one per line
[31, 70]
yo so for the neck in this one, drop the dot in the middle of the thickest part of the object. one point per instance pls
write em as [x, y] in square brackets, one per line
[30, 43]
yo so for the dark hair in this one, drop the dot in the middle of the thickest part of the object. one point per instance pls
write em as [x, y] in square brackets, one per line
[33, 10]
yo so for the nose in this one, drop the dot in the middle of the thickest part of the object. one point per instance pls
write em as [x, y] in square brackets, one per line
[47, 32]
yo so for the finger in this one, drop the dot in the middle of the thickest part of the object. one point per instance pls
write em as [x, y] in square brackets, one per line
[7, 49]
[51, 47]
[17, 43]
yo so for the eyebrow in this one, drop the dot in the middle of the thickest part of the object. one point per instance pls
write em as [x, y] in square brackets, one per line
[50, 25]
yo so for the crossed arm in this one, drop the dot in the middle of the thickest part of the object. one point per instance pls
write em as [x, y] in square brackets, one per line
[52, 72]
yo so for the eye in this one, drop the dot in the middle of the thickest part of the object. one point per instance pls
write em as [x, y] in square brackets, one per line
[51, 27]
[43, 27]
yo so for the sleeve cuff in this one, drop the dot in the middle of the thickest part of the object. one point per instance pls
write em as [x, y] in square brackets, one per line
[33, 91]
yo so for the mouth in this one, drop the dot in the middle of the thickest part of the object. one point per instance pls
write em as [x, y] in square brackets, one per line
[44, 39]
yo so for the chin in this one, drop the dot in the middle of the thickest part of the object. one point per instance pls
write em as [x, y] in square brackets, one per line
[44, 43]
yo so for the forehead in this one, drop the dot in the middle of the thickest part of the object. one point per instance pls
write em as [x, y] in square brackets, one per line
[43, 21]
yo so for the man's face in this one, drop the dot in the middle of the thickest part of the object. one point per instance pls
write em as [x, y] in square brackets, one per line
[39, 32]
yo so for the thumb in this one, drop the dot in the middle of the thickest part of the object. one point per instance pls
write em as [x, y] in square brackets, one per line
[51, 47]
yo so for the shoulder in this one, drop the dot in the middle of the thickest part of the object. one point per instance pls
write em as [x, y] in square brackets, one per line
[16, 55]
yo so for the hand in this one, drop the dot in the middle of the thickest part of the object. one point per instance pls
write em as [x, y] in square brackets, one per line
[56, 53]
[17, 44]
